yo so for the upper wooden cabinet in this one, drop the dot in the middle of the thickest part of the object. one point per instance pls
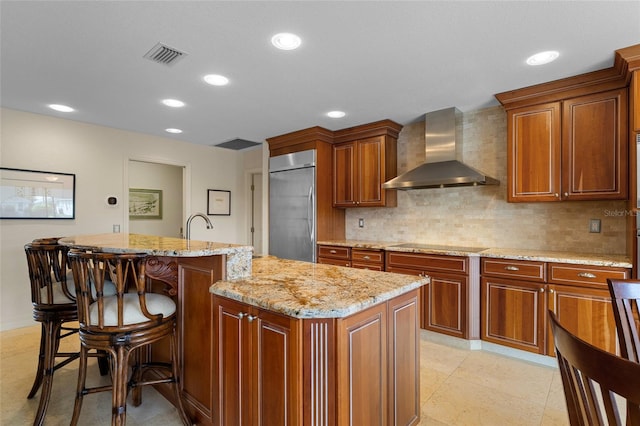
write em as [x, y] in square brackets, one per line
[364, 157]
[573, 149]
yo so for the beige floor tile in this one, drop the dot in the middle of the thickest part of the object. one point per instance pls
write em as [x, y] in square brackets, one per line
[457, 387]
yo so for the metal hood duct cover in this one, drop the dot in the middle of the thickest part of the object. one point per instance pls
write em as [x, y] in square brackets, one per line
[441, 168]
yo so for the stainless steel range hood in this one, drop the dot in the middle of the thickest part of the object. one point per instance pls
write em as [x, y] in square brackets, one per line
[441, 168]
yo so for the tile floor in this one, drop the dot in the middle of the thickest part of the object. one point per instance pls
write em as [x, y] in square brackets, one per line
[458, 387]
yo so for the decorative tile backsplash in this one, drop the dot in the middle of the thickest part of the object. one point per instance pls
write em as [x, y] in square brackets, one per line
[480, 216]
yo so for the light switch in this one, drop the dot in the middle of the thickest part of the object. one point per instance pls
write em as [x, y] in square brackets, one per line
[594, 225]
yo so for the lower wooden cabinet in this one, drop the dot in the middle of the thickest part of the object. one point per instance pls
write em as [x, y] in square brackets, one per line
[445, 298]
[361, 258]
[274, 369]
[257, 361]
[516, 296]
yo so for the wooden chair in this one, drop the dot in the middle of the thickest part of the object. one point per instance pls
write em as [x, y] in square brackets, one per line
[625, 298]
[592, 378]
[121, 325]
[54, 304]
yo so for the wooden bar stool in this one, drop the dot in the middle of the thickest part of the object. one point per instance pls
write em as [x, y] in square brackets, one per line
[120, 325]
[53, 296]
[625, 298]
[54, 305]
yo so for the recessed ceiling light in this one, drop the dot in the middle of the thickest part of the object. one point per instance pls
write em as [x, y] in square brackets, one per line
[286, 41]
[61, 108]
[216, 80]
[543, 57]
[336, 114]
[171, 130]
[174, 103]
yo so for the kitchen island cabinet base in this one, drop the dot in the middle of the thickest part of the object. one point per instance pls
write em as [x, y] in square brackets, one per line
[361, 369]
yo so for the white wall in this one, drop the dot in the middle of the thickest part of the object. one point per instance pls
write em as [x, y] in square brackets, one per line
[99, 158]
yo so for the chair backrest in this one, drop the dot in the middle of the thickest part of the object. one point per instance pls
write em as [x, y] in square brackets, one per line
[592, 378]
[97, 311]
[625, 298]
[48, 268]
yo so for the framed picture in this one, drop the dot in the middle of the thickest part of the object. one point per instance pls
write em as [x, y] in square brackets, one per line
[145, 203]
[218, 202]
[33, 194]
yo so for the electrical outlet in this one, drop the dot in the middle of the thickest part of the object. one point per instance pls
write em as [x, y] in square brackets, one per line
[361, 223]
[116, 229]
[594, 225]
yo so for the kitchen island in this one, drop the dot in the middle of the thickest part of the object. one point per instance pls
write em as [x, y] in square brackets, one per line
[303, 343]
[283, 342]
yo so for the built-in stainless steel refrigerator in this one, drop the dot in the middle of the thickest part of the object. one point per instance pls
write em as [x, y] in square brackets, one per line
[292, 206]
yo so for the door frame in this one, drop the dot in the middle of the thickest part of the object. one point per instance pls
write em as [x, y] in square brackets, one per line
[186, 185]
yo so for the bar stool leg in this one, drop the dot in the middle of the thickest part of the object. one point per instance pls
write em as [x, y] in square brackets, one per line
[120, 384]
[52, 342]
[80, 389]
[40, 371]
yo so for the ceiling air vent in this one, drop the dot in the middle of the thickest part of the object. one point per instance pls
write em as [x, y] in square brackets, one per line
[164, 54]
[237, 144]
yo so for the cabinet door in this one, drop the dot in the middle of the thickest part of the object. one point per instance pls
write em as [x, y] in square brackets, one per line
[369, 169]
[534, 153]
[344, 175]
[595, 146]
[232, 357]
[445, 304]
[404, 359]
[277, 363]
[362, 368]
[513, 314]
[587, 313]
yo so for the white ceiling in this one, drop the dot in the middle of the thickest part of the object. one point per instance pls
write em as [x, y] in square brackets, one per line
[374, 60]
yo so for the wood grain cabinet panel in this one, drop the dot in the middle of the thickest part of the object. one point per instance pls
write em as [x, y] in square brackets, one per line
[572, 149]
[516, 298]
[445, 300]
[513, 313]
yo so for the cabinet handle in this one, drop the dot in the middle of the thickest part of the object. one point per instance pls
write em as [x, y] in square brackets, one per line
[511, 268]
[332, 251]
[541, 289]
[566, 194]
[366, 258]
[556, 195]
[241, 315]
[251, 317]
[551, 291]
[586, 275]
[346, 264]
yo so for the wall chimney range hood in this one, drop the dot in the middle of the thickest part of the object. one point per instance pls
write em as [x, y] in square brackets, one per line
[441, 169]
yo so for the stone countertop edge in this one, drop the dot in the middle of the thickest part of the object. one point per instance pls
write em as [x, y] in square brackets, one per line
[591, 259]
[153, 245]
[310, 290]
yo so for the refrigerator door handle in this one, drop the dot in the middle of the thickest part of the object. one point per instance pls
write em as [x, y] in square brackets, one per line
[310, 212]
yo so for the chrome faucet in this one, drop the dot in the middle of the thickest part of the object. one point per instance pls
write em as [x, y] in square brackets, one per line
[202, 215]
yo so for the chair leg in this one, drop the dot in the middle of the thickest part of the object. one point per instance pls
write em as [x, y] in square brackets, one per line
[52, 342]
[40, 371]
[136, 377]
[80, 389]
[119, 373]
[103, 362]
[176, 380]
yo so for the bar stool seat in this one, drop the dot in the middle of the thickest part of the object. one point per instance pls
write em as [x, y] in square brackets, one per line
[121, 325]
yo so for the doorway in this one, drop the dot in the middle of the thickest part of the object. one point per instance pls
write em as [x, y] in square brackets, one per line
[169, 180]
[256, 215]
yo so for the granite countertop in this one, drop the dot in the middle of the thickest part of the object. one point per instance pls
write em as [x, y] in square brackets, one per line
[311, 290]
[612, 260]
[153, 245]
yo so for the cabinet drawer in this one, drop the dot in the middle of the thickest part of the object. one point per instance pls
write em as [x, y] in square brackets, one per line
[367, 256]
[336, 262]
[369, 266]
[515, 269]
[335, 252]
[563, 273]
[456, 264]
